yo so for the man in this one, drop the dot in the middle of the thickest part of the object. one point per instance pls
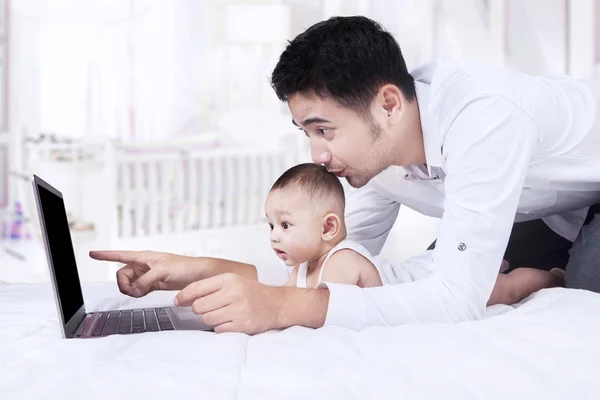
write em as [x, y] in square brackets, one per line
[480, 147]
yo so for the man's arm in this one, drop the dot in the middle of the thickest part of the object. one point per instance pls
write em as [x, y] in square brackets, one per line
[213, 266]
[302, 307]
[369, 217]
[523, 282]
[487, 149]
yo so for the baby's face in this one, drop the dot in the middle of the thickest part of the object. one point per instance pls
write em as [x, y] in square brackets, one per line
[296, 225]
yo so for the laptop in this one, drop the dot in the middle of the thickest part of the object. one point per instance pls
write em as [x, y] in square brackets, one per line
[75, 322]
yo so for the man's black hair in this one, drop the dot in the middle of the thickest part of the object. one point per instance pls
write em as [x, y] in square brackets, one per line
[346, 59]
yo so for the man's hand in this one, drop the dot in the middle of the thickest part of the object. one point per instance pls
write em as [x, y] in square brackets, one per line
[146, 271]
[232, 303]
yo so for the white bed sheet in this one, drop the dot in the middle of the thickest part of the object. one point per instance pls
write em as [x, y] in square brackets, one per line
[547, 347]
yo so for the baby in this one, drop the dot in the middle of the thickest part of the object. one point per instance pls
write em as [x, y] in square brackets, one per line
[305, 210]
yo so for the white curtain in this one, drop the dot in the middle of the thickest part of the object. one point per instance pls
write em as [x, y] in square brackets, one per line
[127, 69]
[460, 30]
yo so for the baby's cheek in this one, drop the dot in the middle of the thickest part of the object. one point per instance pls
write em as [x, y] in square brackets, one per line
[303, 250]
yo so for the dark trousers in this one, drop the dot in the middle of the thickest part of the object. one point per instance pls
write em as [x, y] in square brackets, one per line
[533, 244]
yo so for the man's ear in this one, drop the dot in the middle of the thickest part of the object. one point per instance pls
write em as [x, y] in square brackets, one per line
[390, 98]
[331, 225]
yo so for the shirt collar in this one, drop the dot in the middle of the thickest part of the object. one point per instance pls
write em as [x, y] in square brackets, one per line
[433, 153]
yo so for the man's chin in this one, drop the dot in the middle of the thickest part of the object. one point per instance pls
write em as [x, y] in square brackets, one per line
[355, 182]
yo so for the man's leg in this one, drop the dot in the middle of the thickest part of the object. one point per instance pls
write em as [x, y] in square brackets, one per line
[533, 244]
[583, 269]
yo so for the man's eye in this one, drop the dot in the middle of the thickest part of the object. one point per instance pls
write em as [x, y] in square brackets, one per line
[323, 131]
[285, 225]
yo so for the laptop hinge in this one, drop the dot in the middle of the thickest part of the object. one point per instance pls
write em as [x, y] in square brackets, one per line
[76, 321]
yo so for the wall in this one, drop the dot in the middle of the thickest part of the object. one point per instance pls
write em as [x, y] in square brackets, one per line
[24, 64]
[536, 40]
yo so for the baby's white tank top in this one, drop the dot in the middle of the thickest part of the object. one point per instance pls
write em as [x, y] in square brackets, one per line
[344, 244]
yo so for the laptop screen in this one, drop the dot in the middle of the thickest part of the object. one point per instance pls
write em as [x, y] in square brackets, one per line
[61, 252]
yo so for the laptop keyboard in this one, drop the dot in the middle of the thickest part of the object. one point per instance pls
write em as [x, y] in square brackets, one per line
[132, 321]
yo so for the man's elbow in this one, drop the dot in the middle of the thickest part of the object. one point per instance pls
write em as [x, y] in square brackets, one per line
[469, 302]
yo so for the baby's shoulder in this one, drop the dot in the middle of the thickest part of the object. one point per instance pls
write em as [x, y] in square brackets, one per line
[347, 257]
[354, 267]
[350, 248]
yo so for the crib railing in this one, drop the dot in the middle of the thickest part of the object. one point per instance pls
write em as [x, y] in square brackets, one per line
[160, 194]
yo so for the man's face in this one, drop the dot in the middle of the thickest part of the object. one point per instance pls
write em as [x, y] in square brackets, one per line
[347, 143]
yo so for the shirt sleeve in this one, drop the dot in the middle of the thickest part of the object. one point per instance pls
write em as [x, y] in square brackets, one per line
[369, 217]
[487, 149]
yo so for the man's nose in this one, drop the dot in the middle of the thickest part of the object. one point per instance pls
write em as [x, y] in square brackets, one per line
[319, 153]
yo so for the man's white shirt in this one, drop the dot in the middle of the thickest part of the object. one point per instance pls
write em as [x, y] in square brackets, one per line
[500, 147]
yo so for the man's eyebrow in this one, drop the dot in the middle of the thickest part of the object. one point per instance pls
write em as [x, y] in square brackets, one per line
[309, 121]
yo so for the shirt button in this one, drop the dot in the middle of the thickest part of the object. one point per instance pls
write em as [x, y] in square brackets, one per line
[462, 246]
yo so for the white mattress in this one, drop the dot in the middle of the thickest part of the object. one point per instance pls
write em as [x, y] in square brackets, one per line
[548, 347]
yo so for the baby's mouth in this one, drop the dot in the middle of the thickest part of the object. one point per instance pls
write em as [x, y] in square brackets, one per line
[280, 254]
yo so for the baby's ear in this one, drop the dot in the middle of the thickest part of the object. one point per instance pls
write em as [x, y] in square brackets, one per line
[331, 225]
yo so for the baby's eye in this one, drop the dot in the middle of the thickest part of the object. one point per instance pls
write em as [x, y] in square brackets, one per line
[285, 225]
[271, 226]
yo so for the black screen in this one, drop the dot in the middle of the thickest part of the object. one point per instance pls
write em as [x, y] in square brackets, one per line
[61, 252]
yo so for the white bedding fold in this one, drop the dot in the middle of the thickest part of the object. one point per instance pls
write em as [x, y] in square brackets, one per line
[548, 347]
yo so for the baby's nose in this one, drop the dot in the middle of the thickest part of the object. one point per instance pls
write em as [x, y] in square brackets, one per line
[274, 237]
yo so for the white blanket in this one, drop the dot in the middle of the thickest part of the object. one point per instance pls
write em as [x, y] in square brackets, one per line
[546, 348]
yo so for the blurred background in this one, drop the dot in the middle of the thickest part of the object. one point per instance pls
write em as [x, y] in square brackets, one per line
[156, 120]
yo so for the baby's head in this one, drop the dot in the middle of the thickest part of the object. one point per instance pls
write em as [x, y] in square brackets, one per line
[305, 210]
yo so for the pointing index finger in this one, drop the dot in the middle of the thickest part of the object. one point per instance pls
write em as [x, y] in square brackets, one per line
[124, 257]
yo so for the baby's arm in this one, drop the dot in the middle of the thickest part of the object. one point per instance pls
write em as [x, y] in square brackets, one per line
[348, 267]
[523, 282]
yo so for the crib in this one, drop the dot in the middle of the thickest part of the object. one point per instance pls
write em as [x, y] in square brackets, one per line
[159, 194]
[187, 195]
[193, 196]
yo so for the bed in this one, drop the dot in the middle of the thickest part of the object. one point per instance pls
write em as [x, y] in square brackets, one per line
[546, 347]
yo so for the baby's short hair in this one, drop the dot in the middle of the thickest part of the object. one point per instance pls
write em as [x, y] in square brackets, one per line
[315, 179]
